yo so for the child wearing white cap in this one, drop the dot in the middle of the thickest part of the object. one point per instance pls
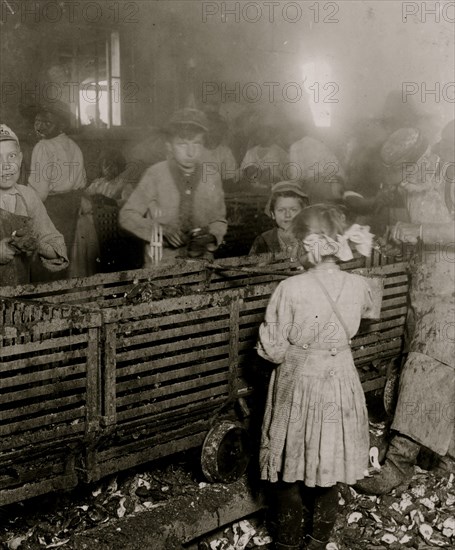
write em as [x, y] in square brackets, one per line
[25, 227]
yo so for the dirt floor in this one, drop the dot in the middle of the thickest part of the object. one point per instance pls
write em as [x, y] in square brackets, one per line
[170, 506]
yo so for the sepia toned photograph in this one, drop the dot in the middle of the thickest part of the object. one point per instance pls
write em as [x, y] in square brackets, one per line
[227, 274]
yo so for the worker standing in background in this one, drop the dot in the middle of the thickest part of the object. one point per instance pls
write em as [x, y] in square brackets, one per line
[424, 412]
[57, 165]
[57, 171]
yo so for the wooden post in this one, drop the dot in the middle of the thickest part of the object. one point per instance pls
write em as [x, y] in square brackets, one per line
[234, 321]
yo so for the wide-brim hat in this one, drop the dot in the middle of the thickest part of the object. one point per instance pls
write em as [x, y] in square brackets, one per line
[404, 145]
[187, 117]
[283, 187]
[58, 108]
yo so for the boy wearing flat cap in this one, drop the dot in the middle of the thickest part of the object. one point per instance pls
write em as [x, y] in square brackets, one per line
[286, 201]
[185, 200]
[25, 227]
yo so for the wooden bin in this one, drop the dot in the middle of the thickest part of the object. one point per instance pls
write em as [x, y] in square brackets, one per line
[147, 380]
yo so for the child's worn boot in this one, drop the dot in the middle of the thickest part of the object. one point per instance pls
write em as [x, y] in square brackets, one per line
[315, 544]
[397, 470]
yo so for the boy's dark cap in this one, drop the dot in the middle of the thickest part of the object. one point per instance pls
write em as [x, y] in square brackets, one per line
[58, 108]
[283, 187]
[188, 117]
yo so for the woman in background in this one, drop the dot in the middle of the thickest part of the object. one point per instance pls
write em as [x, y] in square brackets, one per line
[108, 192]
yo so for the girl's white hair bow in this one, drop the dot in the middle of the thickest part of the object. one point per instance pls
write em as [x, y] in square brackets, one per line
[357, 236]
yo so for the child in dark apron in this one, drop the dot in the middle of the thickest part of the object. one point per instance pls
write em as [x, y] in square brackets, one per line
[315, 428]
[25, 228]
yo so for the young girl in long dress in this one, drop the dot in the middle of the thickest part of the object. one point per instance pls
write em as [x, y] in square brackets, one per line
[315, 427]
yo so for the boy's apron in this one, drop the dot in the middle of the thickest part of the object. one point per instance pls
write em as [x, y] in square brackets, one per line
[17, 271]
[63, 210]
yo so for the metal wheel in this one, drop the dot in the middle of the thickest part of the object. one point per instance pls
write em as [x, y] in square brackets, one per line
[225, 452]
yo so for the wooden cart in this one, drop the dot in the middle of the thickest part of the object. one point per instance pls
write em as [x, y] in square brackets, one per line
[92, 385]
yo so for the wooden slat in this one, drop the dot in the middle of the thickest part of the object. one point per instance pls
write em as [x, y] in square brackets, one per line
[15, 364]
[180, 387]
[233, 345]
[378, 349]
[92, 392]
[384, 324]
[67, 287]
[171, 376]
[396, 267]
[109, 374]
[395, 291]
[371, 385]
[56, 374]
[393, 302]
[39, 408]
[63, 434]
[152, 452]
[378, 337]
[202, 408]
[52, 343]
[241, 281]
[166, 362]
[52, 418]
[172, 347]
[166, 307]
[52, 389]
[255, 304]
[153, 408]
[208, 325]
[177, 318]
[400, 279]
[396, 312]
[174, 431]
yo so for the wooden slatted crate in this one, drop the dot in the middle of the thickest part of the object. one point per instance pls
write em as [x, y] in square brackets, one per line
[121, 384]
[49, 395]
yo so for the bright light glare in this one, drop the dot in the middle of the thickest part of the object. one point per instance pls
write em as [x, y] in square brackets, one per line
[317, 77]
